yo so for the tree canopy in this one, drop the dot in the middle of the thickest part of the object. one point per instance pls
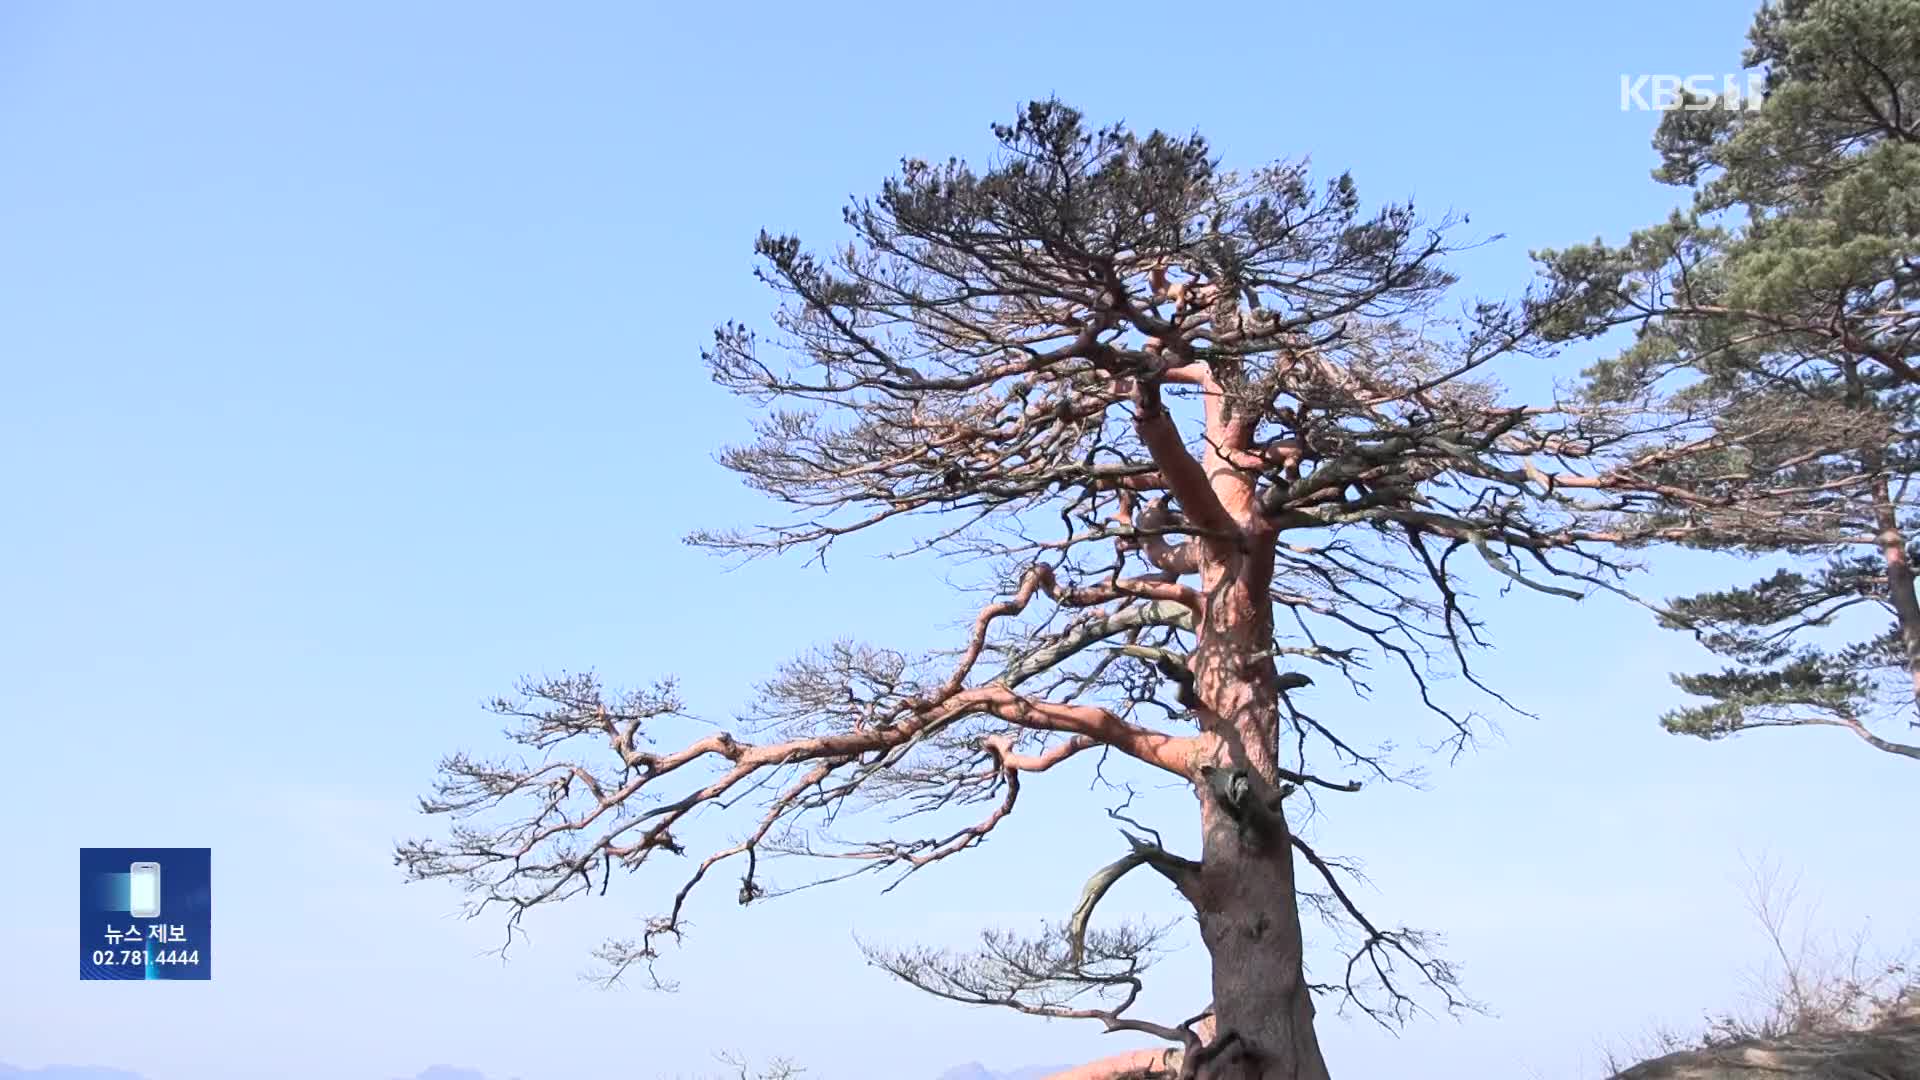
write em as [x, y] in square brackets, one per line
[1776, 335]
[1211, 436]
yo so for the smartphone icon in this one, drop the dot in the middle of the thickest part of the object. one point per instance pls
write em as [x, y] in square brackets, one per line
[143, 892]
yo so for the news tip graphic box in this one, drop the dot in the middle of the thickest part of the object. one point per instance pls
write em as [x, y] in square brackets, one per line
[146, 913]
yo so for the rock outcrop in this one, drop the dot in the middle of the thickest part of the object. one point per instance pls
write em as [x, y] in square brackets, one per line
[1889, 1051]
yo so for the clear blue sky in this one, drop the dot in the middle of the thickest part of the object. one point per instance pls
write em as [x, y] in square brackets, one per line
[350, 371]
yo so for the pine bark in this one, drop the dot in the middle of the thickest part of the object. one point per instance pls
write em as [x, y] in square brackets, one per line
[1246, 898]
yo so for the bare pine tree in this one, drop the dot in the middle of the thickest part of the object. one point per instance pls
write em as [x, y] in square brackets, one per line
[1211, 432]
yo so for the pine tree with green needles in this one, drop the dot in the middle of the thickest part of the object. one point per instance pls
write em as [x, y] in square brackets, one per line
[1776, 349]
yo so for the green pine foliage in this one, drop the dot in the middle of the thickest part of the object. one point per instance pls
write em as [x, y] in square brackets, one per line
[1775, 361]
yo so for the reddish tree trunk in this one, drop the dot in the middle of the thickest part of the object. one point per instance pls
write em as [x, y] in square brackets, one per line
[1248, 907]
[1900, 583]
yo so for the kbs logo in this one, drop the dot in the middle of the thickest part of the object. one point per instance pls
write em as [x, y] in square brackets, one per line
[1694, 93]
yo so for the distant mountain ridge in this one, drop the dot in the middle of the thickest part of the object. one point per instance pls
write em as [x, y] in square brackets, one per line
[68, 1073]
[973, 1070]
[102, 1073]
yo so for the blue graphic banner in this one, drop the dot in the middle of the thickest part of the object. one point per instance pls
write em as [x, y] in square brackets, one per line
[146, 913]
